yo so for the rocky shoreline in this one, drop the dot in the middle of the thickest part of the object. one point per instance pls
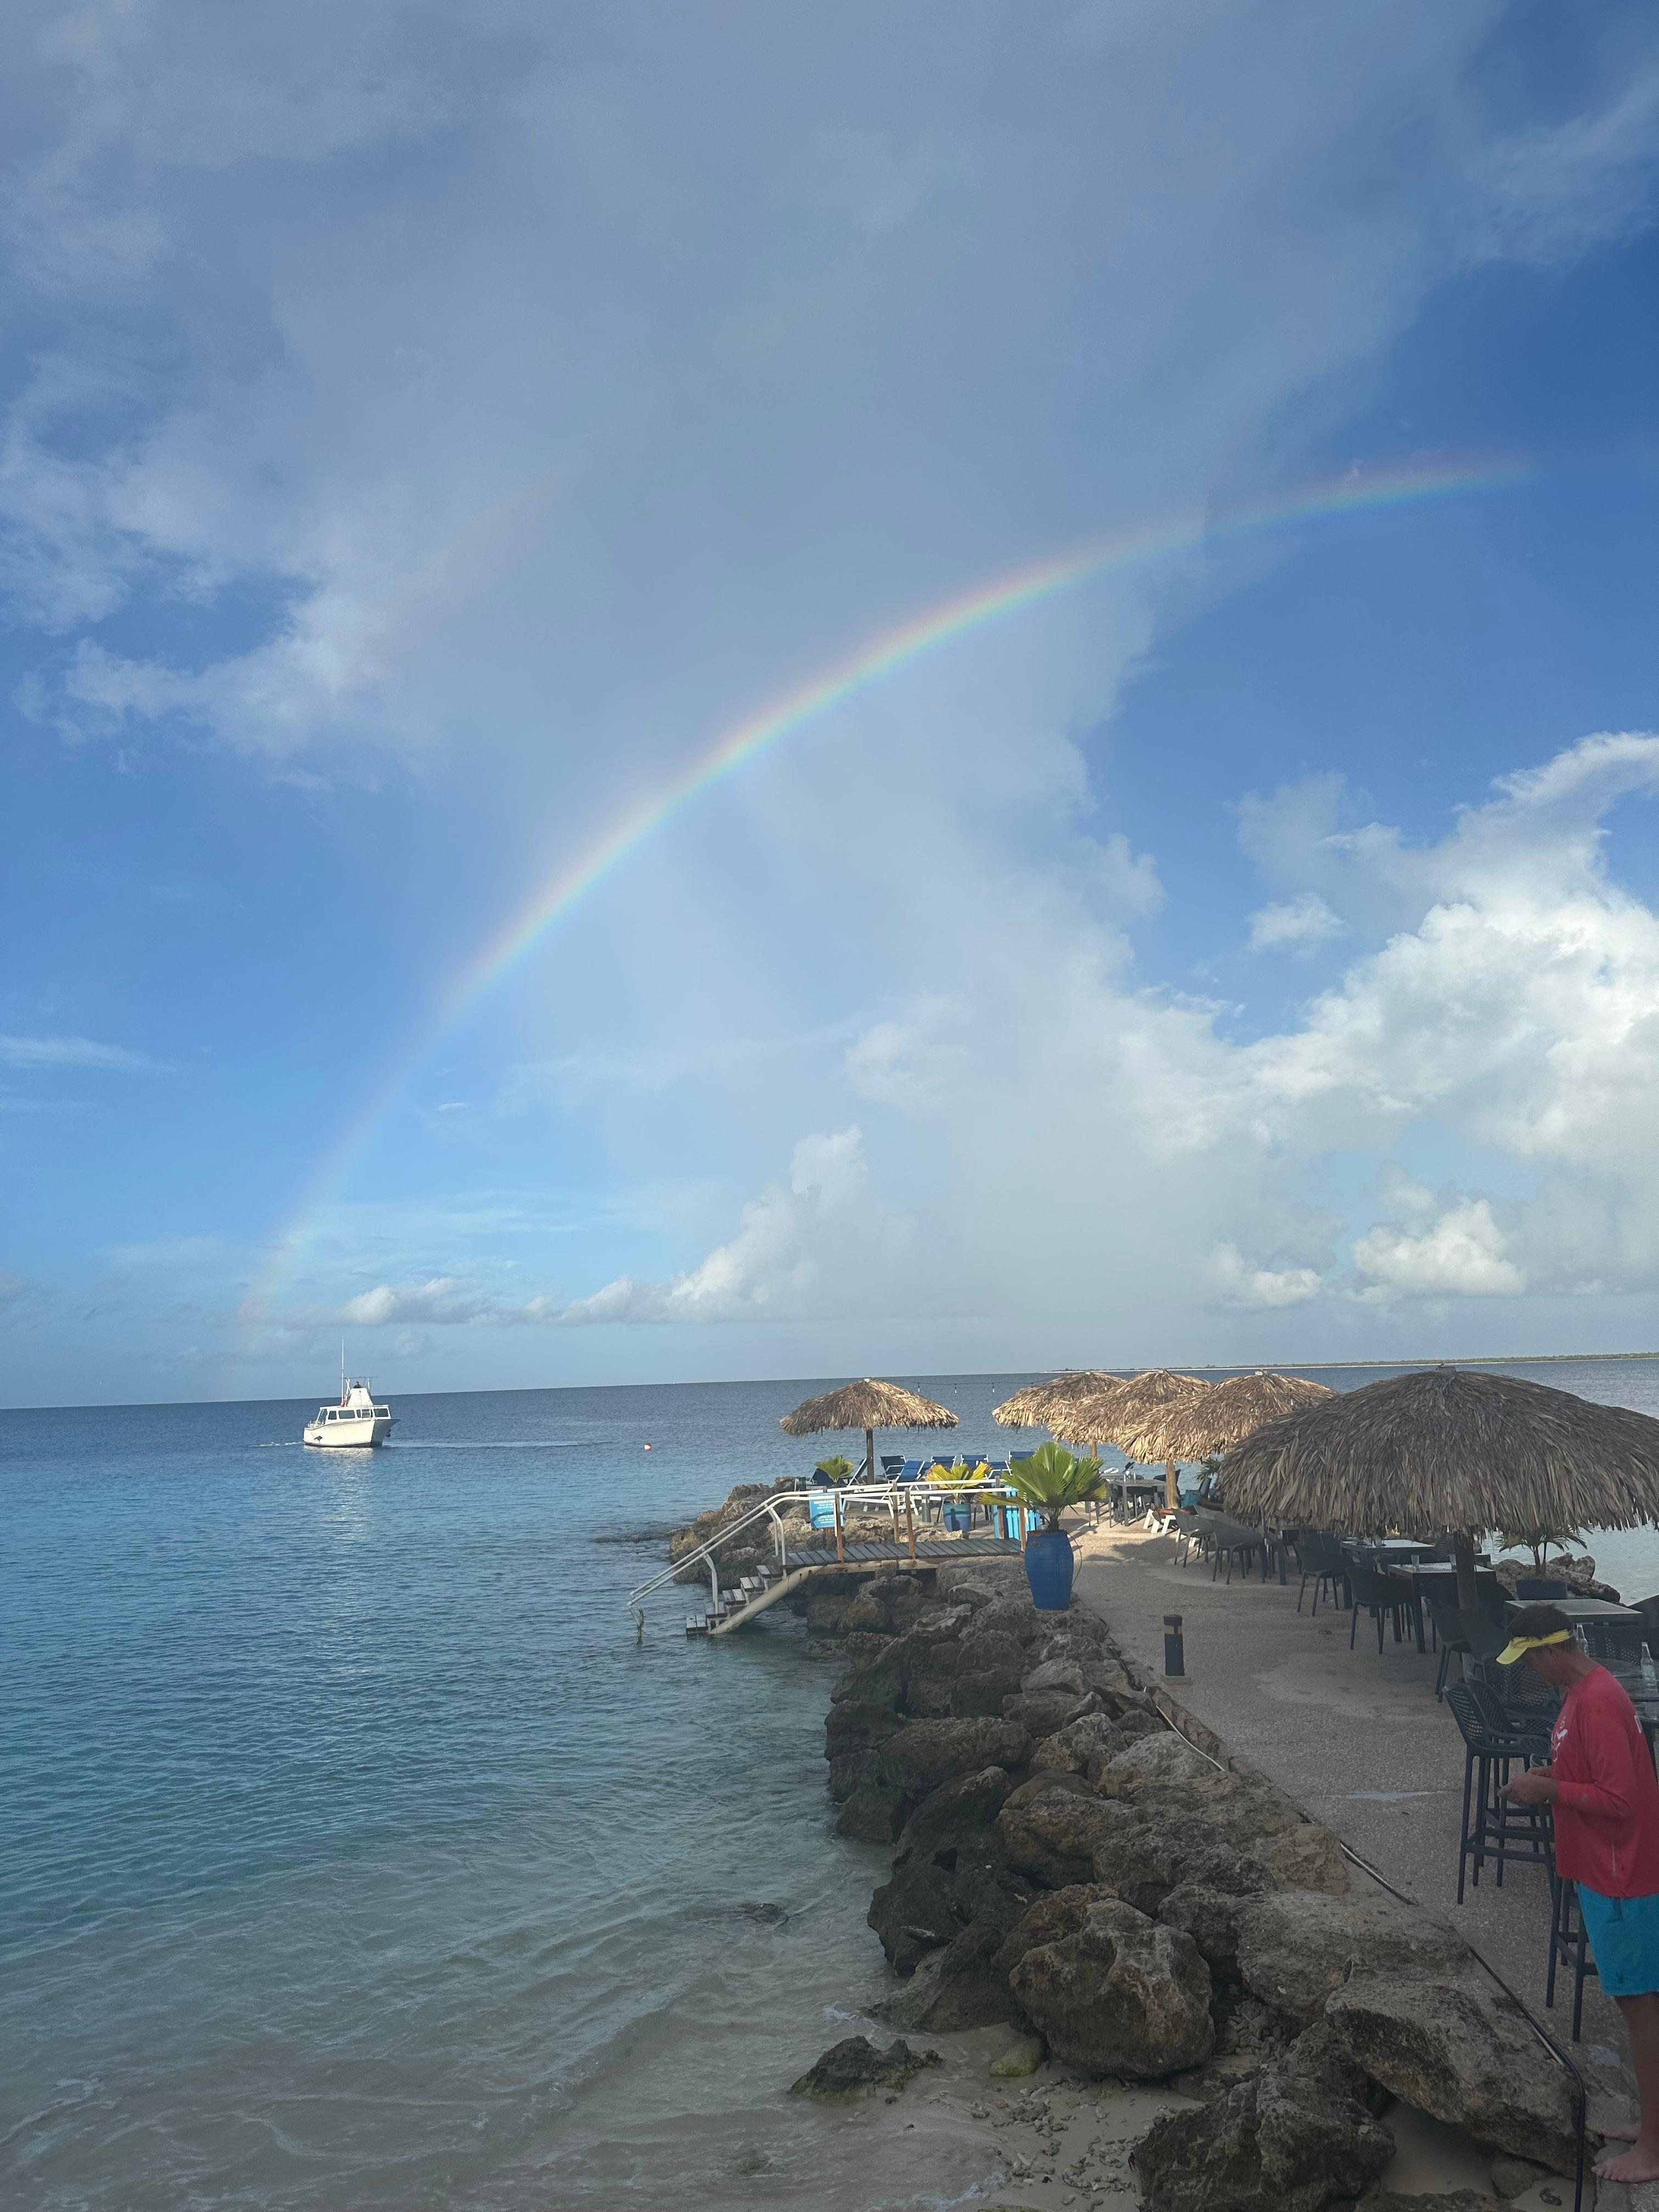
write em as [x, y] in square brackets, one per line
[1120, 1896]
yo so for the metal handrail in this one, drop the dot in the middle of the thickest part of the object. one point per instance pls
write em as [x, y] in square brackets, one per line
[704, 1553]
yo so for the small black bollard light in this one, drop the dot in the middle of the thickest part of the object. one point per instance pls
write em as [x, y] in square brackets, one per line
[1174, 1655]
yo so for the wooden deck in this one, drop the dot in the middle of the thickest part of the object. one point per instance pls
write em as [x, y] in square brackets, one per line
[801, 1562]
[865, 1553]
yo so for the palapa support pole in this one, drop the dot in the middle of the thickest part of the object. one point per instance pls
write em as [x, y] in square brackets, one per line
[841, 1556]
[910, 1528]
[1171, 1486]
[869, 1454]
[1468, 1594]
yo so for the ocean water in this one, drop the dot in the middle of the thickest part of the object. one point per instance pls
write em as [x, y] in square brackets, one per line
[354, 1853]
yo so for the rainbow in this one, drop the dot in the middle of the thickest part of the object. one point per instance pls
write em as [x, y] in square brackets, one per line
[869, 663]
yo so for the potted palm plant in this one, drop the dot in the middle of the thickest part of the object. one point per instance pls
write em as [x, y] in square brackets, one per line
[1049, 1481]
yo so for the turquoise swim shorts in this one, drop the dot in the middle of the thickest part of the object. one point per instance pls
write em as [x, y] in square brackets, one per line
[1624, 1934]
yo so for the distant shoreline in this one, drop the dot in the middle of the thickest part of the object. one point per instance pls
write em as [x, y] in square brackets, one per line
[1464, 1359]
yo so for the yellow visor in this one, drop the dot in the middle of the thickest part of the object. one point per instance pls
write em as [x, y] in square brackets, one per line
[1521, 1645]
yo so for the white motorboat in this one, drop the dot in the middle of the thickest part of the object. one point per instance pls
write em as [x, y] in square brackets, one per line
[355, 1423]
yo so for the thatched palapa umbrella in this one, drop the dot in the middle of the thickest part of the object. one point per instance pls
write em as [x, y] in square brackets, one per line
[1029, 1408]
[1217, 1418]
[1446, 1449]
[867, 1405]
[1126, 1414]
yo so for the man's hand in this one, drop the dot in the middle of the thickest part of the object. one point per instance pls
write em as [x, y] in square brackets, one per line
[1537, 1786]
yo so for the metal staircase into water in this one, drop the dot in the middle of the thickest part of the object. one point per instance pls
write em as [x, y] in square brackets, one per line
[875, 1527]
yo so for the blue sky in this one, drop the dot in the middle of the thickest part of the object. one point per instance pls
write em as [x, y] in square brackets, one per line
[427, 430]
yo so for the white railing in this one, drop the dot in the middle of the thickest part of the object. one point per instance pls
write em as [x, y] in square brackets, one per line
[898, 1499]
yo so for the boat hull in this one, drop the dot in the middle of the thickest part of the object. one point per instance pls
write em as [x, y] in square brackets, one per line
[347, 1436]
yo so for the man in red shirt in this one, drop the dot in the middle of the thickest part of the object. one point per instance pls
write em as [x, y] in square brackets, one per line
[1599, 1783]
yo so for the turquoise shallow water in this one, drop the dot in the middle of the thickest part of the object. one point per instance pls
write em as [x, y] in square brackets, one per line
[355, 1854]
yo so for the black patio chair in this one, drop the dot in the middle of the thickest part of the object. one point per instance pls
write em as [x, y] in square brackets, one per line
[1616, 1643]
[1528, 1702]
[1324, 1567]
[1231, 1540]
[1385, 1597]
[1493, 1828]
[1568, 1947]
[1440, 1598]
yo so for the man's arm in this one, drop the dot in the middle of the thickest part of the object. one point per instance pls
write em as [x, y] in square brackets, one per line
[1604, 1758]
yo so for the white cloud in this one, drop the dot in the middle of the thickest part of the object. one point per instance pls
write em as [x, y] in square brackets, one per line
[805, 1248]
[810, 1248]
[1517, 1016]
[1461, 1256]
[1548, 192]
[389, 427]
[1261, 1289]
[72, 1052]
[1297, 924]
[443, 1299]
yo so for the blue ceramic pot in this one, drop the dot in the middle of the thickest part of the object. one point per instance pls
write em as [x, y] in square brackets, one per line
[1049, 1569]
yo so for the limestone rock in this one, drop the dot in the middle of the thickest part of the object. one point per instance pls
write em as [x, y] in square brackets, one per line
[1513, 2177]
[1045, 1713]
[1050, 1918]
[1108, 1988]
[994, 1650]
[1210, 1917]
[970, 1802]
[1290, 2139]
[1056, 1675]
[854, 1725]
[963, 1985]
[926, 1753]
[914, 1911]
[1013, 1615]
[1094, 1740]
[1020, 2059]
[853, 2068]
[1308, 1856]
[1295, 1948]
[1164, 1758]
[888, 1603]
[872, 1811]
[990, 1665]
[1463, 2051]
[1456, 2200]
[1054, 1833]
[1231, 1831]
[952, 1890]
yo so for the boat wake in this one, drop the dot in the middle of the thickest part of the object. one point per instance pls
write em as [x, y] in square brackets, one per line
[484, 1443]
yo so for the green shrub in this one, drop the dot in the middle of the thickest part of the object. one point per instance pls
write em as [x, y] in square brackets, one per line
[1054, 1479]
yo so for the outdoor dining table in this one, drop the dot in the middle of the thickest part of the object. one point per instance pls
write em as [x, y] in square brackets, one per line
[1417, 1571]
[1582, 1608]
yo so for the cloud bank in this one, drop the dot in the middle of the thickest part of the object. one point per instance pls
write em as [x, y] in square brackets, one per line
[1508, 1020]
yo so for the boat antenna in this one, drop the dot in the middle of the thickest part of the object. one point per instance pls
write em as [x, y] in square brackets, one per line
[343, 1380]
